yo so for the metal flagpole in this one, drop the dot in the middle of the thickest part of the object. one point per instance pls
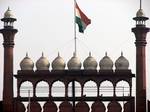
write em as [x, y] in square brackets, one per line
[123, 97]
[140, 4]
[75, 38]
[29, 100]
[75, 51]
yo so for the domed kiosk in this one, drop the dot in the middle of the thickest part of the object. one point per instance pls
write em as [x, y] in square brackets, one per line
[58, 63]
[42, 63]
[26, 63]
[106, 63]
[122, 63]
[74, 63]
[90, 63]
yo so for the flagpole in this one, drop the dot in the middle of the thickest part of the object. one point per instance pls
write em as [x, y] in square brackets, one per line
[75, 38]
[123, 97]
[29, 108]
[75, 51]
[140, 4]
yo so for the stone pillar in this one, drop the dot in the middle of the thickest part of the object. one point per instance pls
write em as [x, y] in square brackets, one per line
[140, 32]
[8, 33]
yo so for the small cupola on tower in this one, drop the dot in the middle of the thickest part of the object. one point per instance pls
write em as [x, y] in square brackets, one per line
[8, 19]
[140, 17]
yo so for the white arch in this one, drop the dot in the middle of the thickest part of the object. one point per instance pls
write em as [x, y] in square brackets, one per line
[58, 89]
[42, 89]
[106, 88]
[26, 89]
[90, 88]
[122, 88]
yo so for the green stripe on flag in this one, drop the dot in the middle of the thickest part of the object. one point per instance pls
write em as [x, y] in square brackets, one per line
[80, 24]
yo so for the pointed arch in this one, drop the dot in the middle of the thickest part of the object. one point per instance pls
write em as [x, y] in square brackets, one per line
[42, 89]
[90, 88]
[58, 89]
[25, 88]
[106, 88]
[122, 88]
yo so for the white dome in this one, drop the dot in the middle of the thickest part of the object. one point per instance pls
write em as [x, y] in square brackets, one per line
[74, 63]
[140, 13]
[26, 63]
[58, 63]
[122, 63]
[90, 63]
[106, 63]
[42, 63]
[8, 14]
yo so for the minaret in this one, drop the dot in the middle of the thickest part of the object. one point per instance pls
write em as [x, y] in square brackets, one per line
[140, 32]
[8, 33]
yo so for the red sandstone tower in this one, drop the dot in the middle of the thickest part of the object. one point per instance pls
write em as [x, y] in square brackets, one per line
[8, 33]
[140, 32]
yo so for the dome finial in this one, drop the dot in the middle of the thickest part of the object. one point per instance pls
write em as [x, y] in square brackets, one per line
[121, 53]
[58, 54]
[106, 53]
[8, 8]
[90, 54]
[74, 54]
[26, 54]
[42, 54]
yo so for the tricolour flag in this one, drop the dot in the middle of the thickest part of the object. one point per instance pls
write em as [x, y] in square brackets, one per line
[81, 19]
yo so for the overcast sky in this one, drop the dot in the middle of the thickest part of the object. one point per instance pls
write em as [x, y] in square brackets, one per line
[48, 26]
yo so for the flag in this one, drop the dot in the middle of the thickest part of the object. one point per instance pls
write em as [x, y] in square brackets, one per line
[81, 19]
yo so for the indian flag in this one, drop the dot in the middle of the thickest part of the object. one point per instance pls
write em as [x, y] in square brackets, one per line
[81, 19]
